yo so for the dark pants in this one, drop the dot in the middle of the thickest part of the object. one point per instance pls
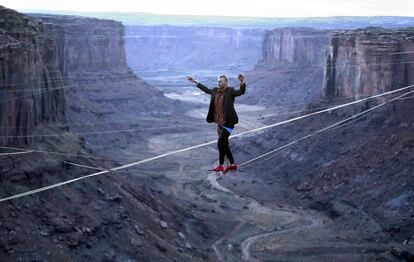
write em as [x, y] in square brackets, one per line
[223, 145]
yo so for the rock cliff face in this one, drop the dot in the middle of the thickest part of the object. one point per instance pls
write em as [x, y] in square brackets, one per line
[196, 47]
[295, 45]
[86, 43]
[290, 73]
[103, 93]
[369, 61]
[30, 80]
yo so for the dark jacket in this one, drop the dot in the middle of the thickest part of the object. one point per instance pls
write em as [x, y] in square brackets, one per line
[230, 115]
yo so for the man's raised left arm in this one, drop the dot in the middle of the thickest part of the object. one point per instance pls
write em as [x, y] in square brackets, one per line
[242, 89]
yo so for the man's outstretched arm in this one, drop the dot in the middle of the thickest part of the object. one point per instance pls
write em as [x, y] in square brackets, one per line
[242, 89]
[200, 85]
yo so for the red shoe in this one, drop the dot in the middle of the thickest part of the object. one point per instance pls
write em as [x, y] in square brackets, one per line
[231, 167]
[218, 168]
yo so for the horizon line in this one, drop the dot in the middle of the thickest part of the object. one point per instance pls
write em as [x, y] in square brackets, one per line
[212, 16]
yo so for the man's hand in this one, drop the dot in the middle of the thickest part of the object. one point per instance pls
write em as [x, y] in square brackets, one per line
[189, 78]
[241, 78]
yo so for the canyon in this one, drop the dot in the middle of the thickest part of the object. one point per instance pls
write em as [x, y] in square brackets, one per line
[343, 194]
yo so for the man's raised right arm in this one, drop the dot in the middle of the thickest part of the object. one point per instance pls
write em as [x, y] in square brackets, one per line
[200, 85]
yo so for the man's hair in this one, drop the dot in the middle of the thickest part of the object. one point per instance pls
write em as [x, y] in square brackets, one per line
[224, 77]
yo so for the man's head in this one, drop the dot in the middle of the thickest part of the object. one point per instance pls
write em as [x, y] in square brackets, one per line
[222, 81]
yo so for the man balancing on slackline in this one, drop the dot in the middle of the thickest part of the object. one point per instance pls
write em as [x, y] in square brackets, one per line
[222, 112]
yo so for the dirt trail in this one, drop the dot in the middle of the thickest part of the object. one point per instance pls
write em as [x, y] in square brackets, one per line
[259, 211]
[246, 244]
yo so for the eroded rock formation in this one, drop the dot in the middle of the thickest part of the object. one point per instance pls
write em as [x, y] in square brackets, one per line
[369, 61]
[103, 93]
[295, 45]
[86, 43]
[290, 73]
[30, 80]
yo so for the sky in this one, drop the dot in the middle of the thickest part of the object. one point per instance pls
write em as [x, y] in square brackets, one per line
[250, 8]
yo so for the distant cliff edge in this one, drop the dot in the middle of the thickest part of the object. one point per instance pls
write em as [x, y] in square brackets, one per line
[30, 80]
[369, 61]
